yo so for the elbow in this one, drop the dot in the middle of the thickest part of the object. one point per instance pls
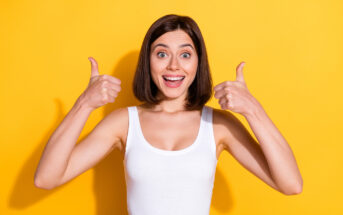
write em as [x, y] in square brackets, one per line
[294, 190]
[39, 183]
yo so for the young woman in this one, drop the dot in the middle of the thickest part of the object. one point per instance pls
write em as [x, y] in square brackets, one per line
[172, 141]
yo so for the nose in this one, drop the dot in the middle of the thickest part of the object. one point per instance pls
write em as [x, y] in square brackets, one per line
[173, 63]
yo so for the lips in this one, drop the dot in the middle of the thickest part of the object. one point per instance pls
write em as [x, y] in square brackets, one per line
[173, 77]
[173, 80]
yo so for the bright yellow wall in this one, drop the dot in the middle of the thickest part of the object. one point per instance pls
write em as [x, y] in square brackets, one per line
[293, 52]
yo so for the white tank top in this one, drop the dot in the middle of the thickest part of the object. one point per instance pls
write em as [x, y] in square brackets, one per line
[163, 182]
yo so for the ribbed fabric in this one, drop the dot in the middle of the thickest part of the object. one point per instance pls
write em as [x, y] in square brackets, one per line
[163, 182]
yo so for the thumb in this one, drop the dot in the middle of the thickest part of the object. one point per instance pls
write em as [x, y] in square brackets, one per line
[94, 67]
[239, 72]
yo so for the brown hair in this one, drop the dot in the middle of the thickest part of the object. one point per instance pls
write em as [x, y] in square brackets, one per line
[200, 91]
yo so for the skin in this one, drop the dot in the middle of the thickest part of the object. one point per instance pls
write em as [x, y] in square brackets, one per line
[169, 57]
[270, 159]
[173, 53]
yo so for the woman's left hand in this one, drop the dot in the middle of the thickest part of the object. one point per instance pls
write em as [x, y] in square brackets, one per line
[234, 95]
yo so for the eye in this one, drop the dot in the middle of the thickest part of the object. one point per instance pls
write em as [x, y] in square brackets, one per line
[161, 54]
[186, 55]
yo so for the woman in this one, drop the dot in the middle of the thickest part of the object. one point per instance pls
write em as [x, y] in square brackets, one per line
[172, 141]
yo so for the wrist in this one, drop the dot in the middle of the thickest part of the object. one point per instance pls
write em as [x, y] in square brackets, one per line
[82, 104]
[254, 110]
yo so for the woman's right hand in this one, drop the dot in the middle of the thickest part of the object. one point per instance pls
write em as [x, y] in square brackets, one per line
[102, 89]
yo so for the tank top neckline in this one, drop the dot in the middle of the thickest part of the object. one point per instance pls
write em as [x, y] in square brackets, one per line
[172, 152]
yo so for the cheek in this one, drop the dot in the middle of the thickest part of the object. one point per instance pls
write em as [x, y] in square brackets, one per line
[190, 66]
[156, 68]
[157, 65]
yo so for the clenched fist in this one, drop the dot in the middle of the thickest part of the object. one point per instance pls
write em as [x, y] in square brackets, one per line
[234, 95]
[102, 89]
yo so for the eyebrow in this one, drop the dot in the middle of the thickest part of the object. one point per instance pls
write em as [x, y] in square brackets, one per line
[164, 45]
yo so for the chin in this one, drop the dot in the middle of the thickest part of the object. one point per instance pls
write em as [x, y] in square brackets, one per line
[173, 95]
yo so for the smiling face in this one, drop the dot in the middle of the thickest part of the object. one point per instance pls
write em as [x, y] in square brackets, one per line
[173, 64]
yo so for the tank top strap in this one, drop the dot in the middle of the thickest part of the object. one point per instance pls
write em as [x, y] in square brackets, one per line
[132, 134]
[208, 128]
[207, 117]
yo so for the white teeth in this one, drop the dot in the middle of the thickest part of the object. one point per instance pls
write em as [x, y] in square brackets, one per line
[173, 78]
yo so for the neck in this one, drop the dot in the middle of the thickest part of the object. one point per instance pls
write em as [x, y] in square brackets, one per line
[170, 105]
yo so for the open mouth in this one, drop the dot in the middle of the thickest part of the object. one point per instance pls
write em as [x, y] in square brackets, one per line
[173, 79]
[173, 82]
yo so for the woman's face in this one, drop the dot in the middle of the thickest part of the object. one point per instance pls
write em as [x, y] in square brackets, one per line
[173, 63]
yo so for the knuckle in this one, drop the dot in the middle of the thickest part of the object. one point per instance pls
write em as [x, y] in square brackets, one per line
[117, 80]
[104, 83]
[104, 98]
[111, 99]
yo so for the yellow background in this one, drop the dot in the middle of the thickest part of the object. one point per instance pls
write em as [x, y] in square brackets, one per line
[293, 52]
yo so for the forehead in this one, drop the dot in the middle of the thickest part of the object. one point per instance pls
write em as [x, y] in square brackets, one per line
[174, 38]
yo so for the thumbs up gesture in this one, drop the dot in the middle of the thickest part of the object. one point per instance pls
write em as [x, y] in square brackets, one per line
[234, 95]
[101, 89]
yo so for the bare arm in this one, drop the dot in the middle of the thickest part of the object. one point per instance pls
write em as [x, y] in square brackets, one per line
[57, 151]
[271, 158]
[107, 135]
[277, 152]
[61, 159]
[242, 146]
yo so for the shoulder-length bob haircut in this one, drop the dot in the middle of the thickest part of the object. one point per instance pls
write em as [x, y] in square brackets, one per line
[200, 91]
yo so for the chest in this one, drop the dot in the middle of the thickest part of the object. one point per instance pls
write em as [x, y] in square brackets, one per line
[170, 132]
[174, 132]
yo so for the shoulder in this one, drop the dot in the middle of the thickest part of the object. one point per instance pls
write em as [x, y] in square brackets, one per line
[120, 114]
[225, 125]
[223, 117]
[118, 122]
